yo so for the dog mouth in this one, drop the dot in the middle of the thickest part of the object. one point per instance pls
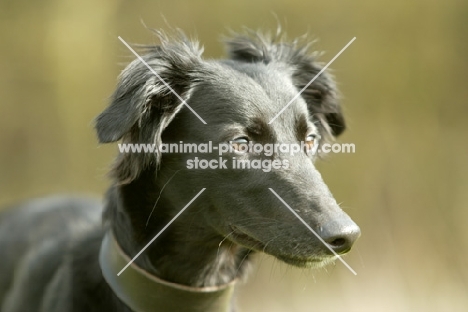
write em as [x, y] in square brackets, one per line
[241, 237]
[313, 262]
[246, 240]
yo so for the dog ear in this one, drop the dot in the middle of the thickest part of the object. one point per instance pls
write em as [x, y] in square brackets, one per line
[144, 104]
[321, 96]
[140, 91]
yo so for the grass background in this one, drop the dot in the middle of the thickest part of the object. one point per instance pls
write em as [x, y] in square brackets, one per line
[404, 81]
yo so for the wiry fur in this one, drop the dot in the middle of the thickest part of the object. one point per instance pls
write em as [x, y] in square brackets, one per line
[321, 97]
[211, 243]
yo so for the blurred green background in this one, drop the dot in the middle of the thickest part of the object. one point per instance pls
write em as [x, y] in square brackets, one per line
[405, 95]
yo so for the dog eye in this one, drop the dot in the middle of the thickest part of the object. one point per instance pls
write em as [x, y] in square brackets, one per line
[311, 143]
[240, 144]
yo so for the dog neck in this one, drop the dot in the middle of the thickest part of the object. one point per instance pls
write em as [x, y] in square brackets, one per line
[188, 252]
[141, 291]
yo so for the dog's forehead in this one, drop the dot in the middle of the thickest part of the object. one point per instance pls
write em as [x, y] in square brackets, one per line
[250, 91]
[274, 79]
[243, 100]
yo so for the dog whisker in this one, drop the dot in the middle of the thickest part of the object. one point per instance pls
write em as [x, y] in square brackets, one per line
[157, 199]
[221, 242]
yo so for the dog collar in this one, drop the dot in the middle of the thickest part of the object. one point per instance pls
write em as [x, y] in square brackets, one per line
[143, 292]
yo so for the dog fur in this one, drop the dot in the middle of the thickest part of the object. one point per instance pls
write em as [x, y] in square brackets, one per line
[49, 248]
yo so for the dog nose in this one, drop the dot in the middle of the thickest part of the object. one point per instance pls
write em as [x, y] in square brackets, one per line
[340, 238]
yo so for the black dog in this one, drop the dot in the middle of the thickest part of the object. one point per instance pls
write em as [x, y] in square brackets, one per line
[53, 256]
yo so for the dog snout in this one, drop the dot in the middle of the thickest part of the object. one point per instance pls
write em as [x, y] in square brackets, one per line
[340, 235]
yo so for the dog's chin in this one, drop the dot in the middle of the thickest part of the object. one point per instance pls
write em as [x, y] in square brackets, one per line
[240, 237]
[312, 262]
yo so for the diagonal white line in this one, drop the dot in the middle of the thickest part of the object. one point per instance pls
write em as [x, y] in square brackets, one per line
[315, 233]
[310, 82]
[162, 80]
[160, 232]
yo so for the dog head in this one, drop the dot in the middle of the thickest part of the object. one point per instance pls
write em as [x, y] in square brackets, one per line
[234, 102]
